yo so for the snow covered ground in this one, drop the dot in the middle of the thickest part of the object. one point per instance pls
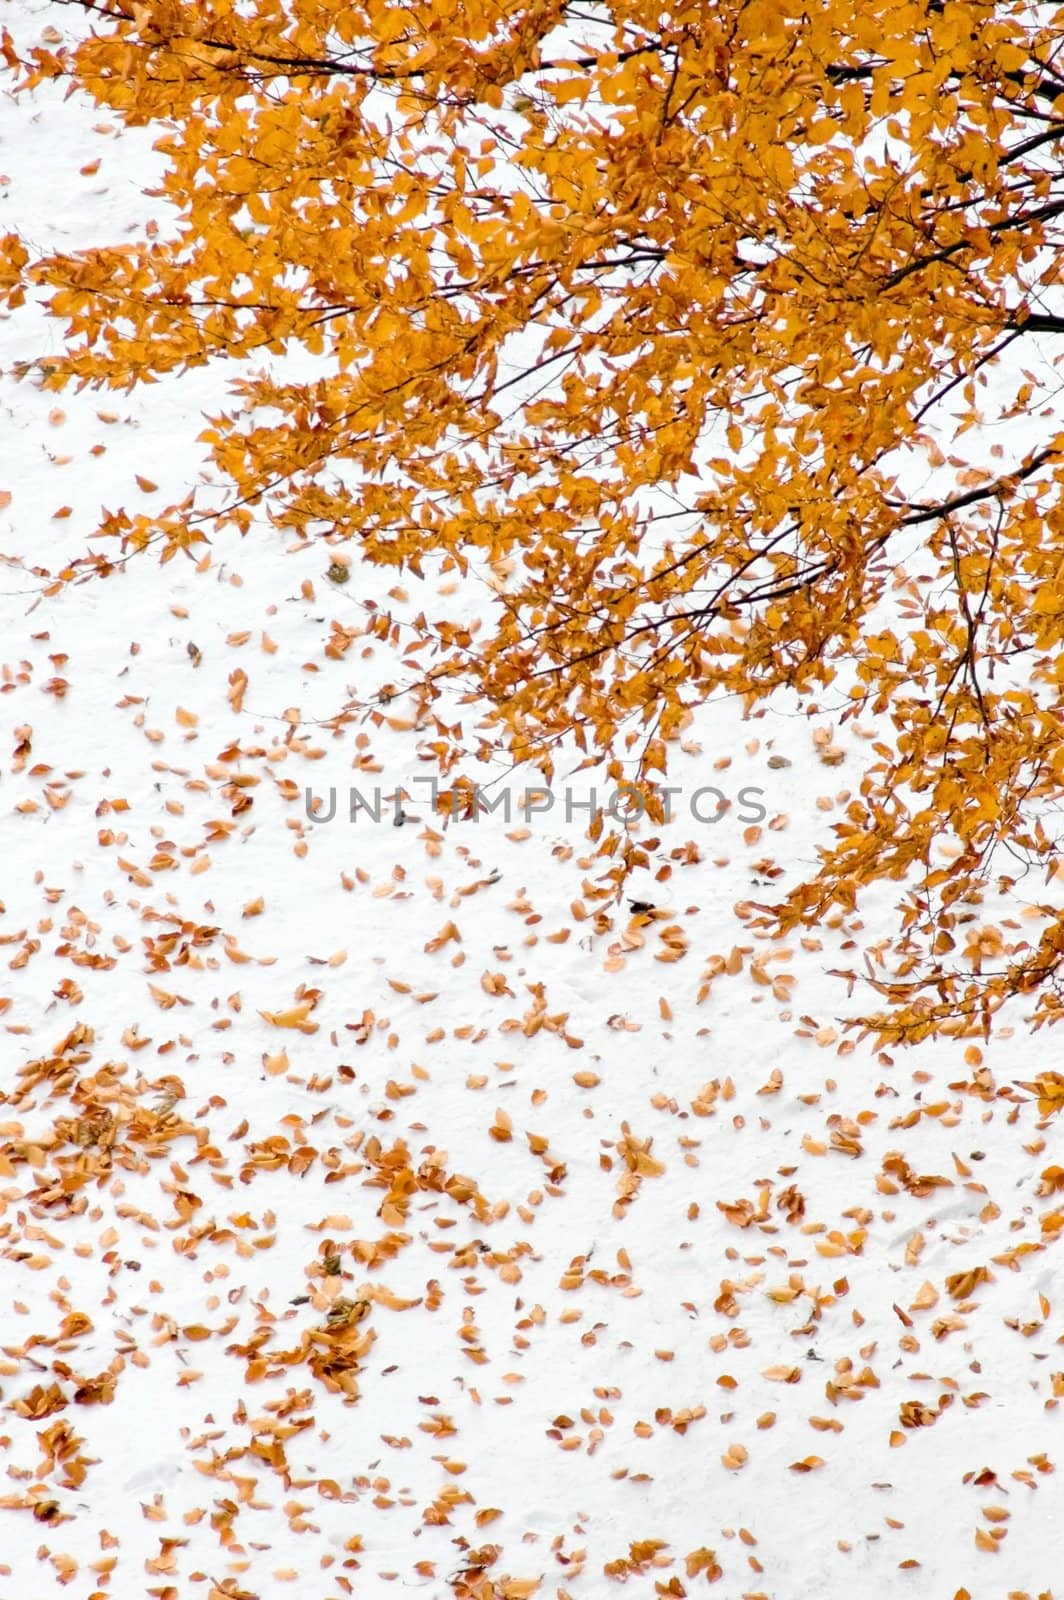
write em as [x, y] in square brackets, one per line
[381, 1211]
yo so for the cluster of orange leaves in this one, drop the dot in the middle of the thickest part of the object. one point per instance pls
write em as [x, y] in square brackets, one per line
[640, 316]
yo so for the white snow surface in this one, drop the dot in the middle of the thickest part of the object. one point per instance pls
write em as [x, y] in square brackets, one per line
[555, 1380]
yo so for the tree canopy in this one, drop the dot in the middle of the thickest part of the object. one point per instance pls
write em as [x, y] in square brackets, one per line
[722, 336]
